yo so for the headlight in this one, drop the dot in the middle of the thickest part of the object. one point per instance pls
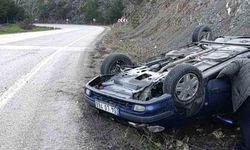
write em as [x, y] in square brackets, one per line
[88, 92]
[139, 108]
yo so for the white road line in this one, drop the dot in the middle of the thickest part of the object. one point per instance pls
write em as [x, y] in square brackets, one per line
[33, 47]
[48, 48]
[8, 38]
[6, 96]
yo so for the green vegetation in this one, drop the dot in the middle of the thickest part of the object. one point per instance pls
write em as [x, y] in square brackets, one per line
[13, 28]
[90, 8]
[55, 10]
[135, 19]
[25, 12]
[73, 11]
[10, 12]
[105, 12]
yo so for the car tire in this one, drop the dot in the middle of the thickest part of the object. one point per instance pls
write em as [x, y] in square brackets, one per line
[112, 63]
[199, 32]
[185, 83]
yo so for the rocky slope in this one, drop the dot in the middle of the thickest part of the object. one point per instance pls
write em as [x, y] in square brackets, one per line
[161, 25]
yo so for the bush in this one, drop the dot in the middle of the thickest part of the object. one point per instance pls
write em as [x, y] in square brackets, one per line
[135, 19]
[26, 25]
[2, 29]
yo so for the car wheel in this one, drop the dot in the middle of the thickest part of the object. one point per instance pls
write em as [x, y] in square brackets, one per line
[113, 63]
[201, 33]
[185, 83]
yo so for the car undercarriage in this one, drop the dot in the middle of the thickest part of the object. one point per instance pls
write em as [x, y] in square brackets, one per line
[146, 82]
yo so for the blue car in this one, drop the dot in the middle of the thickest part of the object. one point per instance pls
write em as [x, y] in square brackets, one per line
[171, 90]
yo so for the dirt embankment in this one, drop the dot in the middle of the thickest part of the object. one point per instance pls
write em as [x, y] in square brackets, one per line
[169, 23]
[157, 26]
[162, 25]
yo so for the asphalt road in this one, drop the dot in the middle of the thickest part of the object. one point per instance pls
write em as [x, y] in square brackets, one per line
[41, 81]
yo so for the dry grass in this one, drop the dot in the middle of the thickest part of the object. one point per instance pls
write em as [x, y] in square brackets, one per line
[115, 42]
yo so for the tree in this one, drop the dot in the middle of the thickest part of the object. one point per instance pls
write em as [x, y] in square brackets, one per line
[115, 10]
[10, 12]
[90, 10]
[3, 10]
[105, 12]
[44, 12]
[83, 11]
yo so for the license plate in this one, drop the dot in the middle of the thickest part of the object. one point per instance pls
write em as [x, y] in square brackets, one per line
[106, 107]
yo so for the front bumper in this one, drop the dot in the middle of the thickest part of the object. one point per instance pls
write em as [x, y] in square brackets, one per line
[158, 109]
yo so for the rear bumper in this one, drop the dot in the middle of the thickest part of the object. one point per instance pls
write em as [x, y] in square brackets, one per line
[133, 117]
[157, 109]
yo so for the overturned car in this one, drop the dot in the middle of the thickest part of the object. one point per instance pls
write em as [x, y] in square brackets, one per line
[172, 89]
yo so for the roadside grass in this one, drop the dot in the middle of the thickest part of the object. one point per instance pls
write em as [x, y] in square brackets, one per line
[121, 29]
[14, 28]
[118, 42]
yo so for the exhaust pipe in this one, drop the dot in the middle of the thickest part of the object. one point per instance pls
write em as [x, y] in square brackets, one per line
[155, 129]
